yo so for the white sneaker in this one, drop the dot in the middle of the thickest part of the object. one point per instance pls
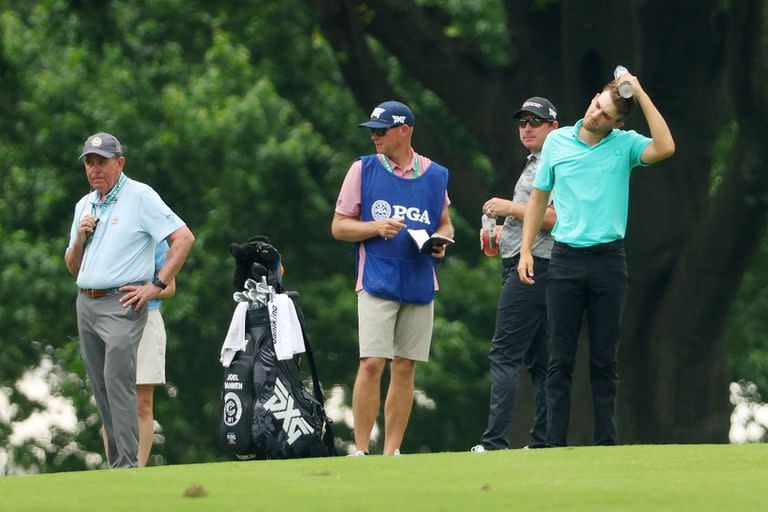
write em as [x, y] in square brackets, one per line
[358, 453]
[396, 452]
[526, 447]
[478, 448]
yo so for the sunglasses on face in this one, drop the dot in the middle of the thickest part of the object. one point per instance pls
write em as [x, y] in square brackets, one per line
[379, 132]
[535, 122]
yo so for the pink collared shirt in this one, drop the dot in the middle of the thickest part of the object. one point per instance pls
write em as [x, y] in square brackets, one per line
[348, 202]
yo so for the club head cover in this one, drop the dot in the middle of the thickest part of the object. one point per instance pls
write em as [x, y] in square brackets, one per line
[255, 258]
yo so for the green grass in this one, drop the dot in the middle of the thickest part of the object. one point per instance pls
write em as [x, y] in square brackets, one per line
[631, 478]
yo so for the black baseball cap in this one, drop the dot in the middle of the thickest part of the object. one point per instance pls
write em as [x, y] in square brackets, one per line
[538, 106]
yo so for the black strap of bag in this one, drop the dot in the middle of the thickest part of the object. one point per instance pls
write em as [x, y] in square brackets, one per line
[328, 438]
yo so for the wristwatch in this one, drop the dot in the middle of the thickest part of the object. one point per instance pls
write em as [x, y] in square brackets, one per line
[157, 282]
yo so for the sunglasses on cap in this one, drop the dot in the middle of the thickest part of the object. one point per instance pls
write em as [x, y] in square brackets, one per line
[535, 122]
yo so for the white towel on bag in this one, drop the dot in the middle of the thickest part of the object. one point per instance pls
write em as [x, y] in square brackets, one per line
[286, 329]
[235, 339]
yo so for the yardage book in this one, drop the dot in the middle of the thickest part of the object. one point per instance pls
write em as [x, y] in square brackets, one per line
[426, 243]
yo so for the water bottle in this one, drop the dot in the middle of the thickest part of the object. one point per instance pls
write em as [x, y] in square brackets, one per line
[490, 242]
[625, 88]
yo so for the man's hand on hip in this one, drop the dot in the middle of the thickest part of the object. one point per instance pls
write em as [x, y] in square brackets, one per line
[137, 296]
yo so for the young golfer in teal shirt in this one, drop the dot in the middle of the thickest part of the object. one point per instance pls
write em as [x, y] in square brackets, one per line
[588, 167]
[592, 183]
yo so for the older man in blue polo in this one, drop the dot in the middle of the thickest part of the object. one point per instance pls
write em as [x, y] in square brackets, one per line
[382, 195]
[111, 253]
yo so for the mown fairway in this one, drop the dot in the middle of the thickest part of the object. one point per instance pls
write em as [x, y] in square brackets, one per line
[634, 478]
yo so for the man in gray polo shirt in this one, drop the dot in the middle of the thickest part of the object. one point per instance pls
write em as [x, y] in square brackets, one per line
[111, 253]
[520, 336]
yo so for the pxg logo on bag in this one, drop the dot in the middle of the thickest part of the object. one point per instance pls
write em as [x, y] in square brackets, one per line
[282, 407]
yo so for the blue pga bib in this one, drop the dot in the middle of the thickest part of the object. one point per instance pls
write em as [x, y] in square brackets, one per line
[394, 269]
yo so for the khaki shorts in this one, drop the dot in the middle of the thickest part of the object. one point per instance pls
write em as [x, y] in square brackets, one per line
[150, 362]
[389, 329]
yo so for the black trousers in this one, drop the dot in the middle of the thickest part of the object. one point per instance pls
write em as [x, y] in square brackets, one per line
[591, 280]
[519, 339]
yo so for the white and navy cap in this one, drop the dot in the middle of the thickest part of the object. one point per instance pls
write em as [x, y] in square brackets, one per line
[389, 114]
[540, 107]
[102, 144]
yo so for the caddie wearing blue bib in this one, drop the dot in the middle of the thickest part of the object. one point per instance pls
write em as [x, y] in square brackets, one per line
[588, 166]
[394, 269]
[383, 195]
[111, 253]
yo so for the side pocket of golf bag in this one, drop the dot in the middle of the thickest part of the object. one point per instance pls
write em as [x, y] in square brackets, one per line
[236, 410]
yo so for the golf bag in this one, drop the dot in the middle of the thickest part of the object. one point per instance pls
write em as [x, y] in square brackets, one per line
[266, 412]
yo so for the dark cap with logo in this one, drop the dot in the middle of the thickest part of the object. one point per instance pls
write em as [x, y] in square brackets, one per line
[540, 107]
[389, 114]
[102, 144]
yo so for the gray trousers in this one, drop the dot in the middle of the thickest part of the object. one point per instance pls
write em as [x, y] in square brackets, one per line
[109, 340]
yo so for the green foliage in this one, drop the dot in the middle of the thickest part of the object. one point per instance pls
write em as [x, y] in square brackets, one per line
[748, 317]
[479, 21]
[748, 323]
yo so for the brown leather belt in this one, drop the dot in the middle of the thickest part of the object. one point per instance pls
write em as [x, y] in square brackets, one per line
[99, 293]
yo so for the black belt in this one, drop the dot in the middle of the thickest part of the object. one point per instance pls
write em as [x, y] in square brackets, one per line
[514, 260]
[593, 249]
